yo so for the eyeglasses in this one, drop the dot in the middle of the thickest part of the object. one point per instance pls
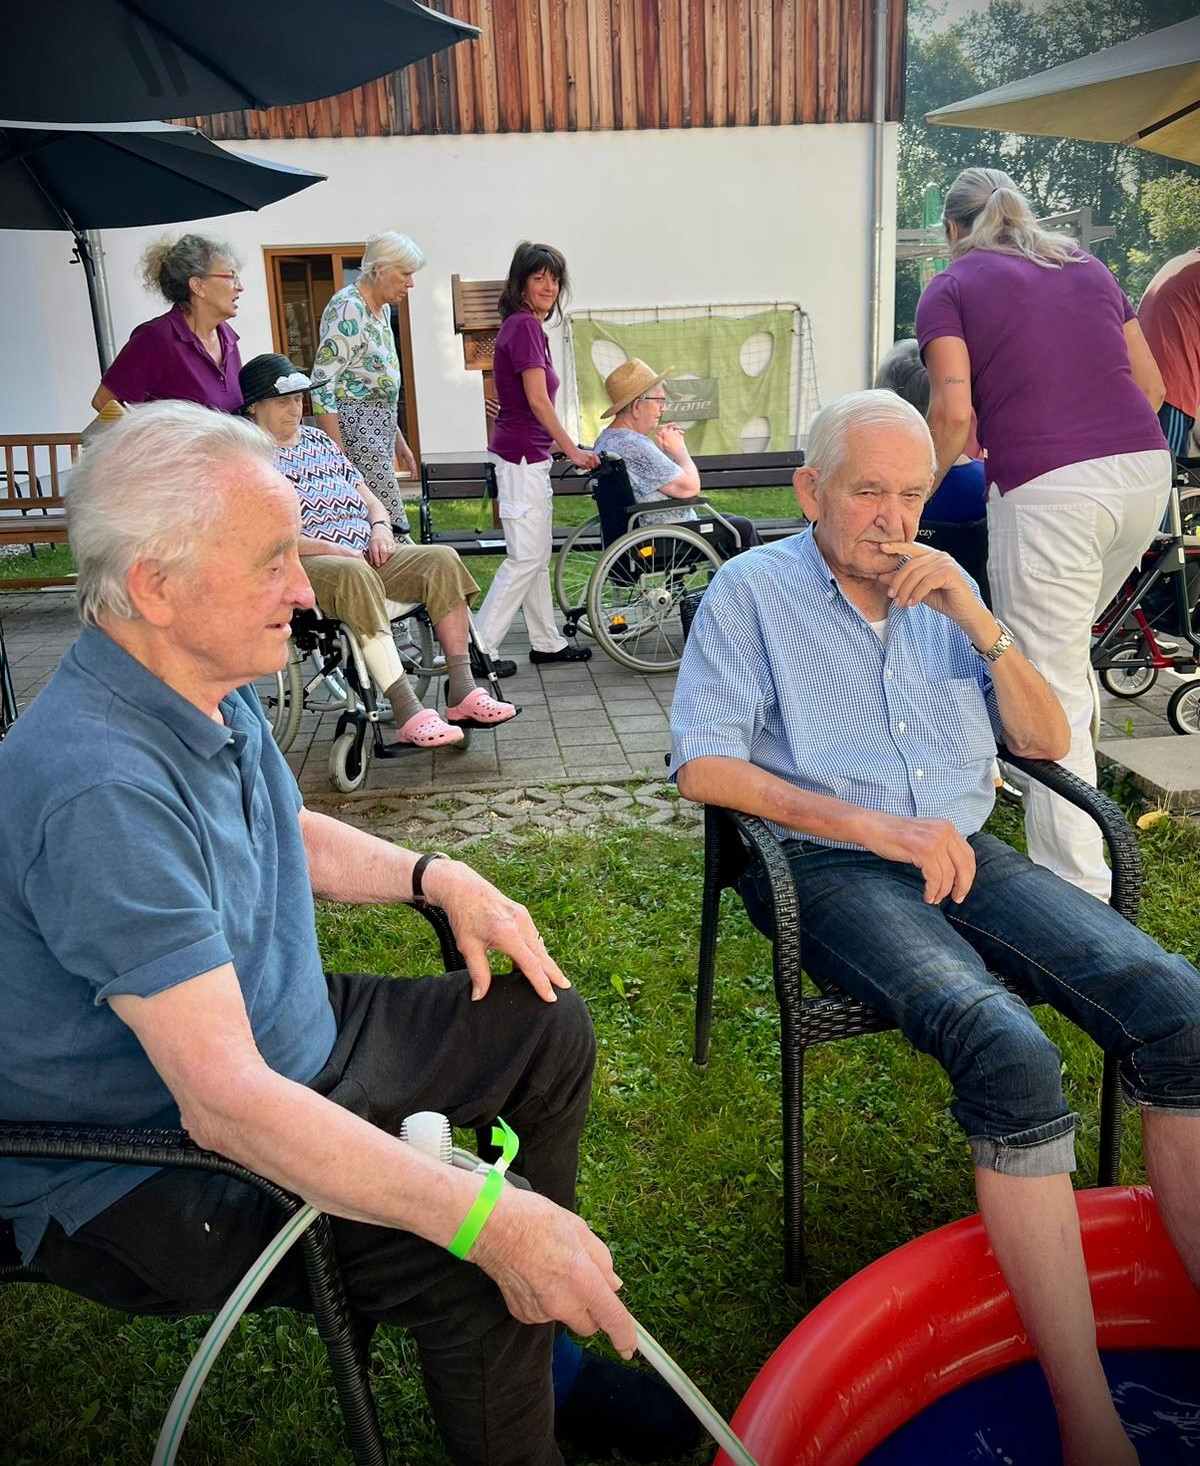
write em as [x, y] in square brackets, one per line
[655, 399]
[223, 275]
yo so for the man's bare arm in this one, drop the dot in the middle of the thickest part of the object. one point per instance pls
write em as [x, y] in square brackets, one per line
[934, 846]
[198, 1037]
[345, 864]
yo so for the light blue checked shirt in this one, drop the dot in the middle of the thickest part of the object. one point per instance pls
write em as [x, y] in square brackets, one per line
[781, 670]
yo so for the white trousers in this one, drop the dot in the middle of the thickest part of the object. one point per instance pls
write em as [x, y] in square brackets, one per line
[1059, 548]
[522, 581]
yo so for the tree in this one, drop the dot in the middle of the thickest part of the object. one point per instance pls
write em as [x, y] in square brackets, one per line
[1003, 43]
[1171, 208]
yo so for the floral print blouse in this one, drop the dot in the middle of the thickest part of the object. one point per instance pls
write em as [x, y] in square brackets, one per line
[356, 361]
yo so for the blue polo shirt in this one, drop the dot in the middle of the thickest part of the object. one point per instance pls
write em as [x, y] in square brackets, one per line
[141, 844]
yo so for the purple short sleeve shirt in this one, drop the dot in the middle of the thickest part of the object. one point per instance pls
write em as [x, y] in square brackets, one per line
[1050, 376]
[516, 433]
[163, 358]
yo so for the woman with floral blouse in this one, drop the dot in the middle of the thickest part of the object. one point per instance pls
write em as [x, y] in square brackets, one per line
[356, 375]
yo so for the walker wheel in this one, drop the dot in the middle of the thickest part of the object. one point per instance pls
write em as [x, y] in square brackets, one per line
[1183, 711]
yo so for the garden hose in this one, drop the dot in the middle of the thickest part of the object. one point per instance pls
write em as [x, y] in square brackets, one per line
[430, 1133]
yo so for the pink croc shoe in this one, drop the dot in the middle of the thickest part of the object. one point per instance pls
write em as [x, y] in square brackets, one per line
[480, 709]
[427, 730]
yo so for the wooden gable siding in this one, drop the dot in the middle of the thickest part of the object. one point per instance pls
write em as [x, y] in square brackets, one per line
[594, 65]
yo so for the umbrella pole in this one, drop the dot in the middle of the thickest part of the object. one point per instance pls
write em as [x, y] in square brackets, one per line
[85, 256]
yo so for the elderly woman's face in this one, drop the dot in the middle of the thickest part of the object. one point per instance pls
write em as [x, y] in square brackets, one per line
[393, 282]
[219, 287]
[280, 416]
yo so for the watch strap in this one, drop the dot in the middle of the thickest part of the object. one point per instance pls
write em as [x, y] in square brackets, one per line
[1002, 643]
[418, 872]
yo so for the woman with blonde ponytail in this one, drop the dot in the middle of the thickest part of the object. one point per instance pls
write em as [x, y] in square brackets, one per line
[1036, 337]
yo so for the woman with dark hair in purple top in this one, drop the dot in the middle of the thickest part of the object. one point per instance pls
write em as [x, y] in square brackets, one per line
[191, 352]
[1036, 336]
[525, 432]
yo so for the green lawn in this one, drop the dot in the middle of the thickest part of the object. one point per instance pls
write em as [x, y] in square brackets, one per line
[680, 1173]
[50, 560]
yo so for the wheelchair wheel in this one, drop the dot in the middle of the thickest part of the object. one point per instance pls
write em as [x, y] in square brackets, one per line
[573, 568]
[1132, 676]
[350, 758]
[1189, 509]
[635, 591]
[1183, 710]
[413, 636]
[282, 698]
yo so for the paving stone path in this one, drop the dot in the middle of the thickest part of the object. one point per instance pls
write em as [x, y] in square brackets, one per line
[454, 821]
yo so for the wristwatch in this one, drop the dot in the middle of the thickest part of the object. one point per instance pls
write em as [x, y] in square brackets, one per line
[999, 646]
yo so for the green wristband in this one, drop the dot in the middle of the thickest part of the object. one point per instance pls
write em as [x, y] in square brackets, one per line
[489, 1193]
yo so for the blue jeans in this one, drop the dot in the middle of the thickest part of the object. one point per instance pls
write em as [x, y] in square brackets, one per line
[867, 930]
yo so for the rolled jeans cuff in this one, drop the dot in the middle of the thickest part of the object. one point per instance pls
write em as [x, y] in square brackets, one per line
[1179, 1104]
[1044, 1150]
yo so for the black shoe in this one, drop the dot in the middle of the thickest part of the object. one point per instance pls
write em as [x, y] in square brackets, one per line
[501, 666]
[569, 653]
[617, 1407]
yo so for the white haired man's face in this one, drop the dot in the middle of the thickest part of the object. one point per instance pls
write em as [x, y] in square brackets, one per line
[875, 497]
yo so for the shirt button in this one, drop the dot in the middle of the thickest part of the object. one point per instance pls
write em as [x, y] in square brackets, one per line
[887, 672]
[900, 727]
[918, 773]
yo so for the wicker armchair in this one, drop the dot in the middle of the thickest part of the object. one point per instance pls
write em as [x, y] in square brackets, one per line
[733, 842]
[346, 1336]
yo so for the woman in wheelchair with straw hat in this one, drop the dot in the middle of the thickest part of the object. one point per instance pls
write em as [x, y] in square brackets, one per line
[355, 566]
[656, 458]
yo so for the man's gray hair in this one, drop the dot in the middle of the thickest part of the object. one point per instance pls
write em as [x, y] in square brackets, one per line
[829, 433]
[149, 488]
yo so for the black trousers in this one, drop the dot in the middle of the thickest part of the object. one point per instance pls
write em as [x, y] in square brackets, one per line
[724, 541]
[180, 1242]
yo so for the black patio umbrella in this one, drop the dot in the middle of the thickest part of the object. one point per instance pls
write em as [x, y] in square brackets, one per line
[127, 60]
[114, 175]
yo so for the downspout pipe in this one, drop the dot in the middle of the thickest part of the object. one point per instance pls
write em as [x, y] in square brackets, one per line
[879, 115]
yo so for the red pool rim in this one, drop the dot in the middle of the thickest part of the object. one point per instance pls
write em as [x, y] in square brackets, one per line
[934, 1315]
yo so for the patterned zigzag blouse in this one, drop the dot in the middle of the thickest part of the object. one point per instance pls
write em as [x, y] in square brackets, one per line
[330, 488]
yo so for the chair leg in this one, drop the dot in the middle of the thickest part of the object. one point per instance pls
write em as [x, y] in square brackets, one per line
[1110, 1124]
[791, 1046]
[344, 1343]
[710, 918]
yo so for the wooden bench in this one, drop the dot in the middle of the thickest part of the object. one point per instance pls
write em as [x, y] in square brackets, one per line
[447, 476]
[33, 509]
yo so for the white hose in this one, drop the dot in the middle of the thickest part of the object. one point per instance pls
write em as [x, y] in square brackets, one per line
[219, 1330]
[429, 1133]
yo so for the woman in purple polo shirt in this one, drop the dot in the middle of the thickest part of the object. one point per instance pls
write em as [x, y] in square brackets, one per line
[190, 353]
[1037, 336]
[526, 429]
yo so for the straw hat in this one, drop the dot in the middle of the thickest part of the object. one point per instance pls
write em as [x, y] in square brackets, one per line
[631, 379]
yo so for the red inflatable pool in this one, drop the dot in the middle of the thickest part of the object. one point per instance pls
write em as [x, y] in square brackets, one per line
[934, 1316]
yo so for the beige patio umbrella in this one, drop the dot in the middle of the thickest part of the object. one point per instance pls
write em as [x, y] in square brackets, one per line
[1143, 93]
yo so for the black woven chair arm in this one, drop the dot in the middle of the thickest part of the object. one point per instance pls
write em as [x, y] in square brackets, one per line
[1123, 852]
[126, 1146]
[452, 958]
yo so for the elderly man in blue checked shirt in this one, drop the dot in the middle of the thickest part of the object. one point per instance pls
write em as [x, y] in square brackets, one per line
[847, 685]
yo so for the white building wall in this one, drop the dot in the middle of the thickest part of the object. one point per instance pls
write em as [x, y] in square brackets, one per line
[644, 218]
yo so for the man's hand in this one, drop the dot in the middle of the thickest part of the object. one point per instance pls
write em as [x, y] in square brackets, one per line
[485, 920]
[548, 1264]
[936, 579]
[935, 847]
[382, 546]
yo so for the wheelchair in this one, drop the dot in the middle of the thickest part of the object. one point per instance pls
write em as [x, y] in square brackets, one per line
[1161, 597]
[620, 579]
[325, 673]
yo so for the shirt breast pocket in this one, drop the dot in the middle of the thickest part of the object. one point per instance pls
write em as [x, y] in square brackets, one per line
[957, 716]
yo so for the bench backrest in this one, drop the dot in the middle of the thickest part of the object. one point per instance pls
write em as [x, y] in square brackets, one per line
[468, 478]
[748, 470]
[33, 467]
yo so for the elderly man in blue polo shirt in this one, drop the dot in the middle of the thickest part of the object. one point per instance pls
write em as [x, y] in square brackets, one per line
[848, 685]
[159, 964]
